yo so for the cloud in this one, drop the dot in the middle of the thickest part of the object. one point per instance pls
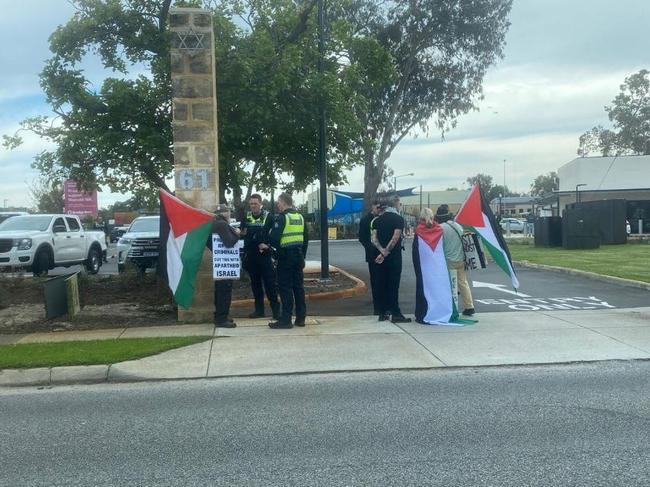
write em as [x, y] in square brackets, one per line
[564, 61]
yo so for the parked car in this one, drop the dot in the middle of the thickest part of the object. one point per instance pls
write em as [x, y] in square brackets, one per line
[117, 233]
[515, 225]
[43, 242]
[139, 245]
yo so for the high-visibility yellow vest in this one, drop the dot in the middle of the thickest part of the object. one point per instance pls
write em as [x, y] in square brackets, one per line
[253, 221]
[372, 224]
[294, 230]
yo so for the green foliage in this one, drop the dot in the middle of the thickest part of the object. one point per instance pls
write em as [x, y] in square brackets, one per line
[47, 195]
[490, 189]
[545, 184]
[389, 68]
[413, 64]
[630, 117]
[119, 134]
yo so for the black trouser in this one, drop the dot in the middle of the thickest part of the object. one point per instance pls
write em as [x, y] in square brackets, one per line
[222, 299]
[291, 284]
[389, 273]
[374, 286]
[262, 274]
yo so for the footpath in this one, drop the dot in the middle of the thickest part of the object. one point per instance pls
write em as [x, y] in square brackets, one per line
[359, 343]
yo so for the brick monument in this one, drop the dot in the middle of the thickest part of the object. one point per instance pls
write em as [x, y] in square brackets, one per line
[196, 161]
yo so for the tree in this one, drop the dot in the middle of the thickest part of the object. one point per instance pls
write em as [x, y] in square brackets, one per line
[120, 135]
[47, 195]
[269, 91]
[490, 190]
[630, 117]
[415, 63]
[545, 184]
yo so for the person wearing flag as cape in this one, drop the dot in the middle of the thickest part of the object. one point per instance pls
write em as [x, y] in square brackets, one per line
[223, 288]
[434, 299]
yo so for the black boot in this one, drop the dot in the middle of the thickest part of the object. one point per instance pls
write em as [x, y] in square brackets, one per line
[280, 325]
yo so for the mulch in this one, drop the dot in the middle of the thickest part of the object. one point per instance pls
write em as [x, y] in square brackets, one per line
[129, 299]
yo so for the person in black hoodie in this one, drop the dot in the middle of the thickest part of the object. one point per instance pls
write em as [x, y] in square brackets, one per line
[365, 237]
[223, 288]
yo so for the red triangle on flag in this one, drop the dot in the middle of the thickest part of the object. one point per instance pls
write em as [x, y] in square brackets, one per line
[430, 235]
[181, 216]
[471, 213]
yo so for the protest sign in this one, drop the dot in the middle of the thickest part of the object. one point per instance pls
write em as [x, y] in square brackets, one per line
[474, 255]
[225, 260]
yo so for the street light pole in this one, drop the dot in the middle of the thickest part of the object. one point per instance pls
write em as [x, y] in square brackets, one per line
[400, 176]
[322, 157]
[577, 193]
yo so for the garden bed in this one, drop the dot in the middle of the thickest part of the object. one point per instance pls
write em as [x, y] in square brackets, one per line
[120, 301]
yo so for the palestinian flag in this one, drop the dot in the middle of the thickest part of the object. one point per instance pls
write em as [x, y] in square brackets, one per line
[434, 302]
[184, 232]
[476, 216]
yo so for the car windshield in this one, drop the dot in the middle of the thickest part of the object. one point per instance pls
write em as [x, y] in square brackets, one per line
[145, 225]
[36, 222]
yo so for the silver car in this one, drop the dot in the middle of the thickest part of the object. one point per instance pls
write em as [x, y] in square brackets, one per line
[515, 225]
[140, 244]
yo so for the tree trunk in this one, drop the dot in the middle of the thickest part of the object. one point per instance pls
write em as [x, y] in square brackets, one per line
[371, 179]
[251, 181]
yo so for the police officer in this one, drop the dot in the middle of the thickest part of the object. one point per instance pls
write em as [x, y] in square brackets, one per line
[365, 229]
[290, 239]
[257, 257]
[223, 288]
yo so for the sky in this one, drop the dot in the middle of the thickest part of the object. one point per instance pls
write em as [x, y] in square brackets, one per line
[564, 61]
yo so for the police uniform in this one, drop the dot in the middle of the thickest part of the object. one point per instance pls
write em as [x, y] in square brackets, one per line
[289, 237]
[259, 264]
[365, 237]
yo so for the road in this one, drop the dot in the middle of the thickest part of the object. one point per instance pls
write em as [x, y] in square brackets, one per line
[579, 425]
[540, 290]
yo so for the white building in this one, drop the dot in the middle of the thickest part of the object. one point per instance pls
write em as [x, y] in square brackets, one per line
[607, 178]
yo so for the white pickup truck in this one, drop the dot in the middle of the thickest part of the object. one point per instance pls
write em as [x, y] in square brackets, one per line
[43, 242]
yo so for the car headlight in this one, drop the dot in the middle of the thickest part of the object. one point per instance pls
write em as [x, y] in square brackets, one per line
[23, 243]
[125, 241]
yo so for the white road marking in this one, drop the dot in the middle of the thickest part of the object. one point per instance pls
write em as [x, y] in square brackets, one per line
[499, 287]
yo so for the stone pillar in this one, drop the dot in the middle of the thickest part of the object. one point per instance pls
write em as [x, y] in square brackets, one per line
[196, 161]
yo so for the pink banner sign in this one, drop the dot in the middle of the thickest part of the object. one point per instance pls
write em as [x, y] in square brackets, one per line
[78, 202]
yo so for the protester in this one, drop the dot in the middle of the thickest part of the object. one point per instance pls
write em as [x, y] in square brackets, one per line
[455, 255]
[223, 288]
[530, 224]
[387, 231]
[290, 239]
[365, 229]
[257, 257]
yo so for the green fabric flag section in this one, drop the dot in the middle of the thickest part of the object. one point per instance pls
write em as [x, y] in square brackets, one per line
[191, 256]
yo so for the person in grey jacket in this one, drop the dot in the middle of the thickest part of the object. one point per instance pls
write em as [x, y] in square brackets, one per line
[455, 255]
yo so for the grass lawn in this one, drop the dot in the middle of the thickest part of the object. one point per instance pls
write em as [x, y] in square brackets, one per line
[630, 261]
[87, 352]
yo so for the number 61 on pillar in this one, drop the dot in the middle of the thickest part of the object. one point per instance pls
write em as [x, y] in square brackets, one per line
[188, 179]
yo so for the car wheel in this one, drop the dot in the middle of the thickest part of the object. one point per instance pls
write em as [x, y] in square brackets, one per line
[94, 261]
[41, 264]
[120, 268]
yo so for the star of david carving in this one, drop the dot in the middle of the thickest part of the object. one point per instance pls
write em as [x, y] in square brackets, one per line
[191, 40]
